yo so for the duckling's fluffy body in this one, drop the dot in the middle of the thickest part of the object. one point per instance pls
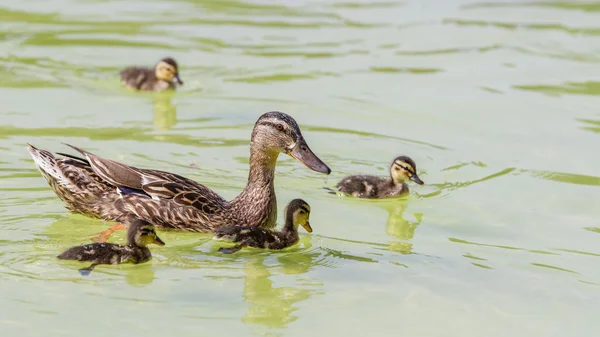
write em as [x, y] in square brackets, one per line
[164, 76]
[297, 213]
[107, 253]
[257, 237]
[368, 186]
[140, 234]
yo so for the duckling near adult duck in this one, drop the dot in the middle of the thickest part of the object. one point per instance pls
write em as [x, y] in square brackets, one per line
[113, 191]
[296, 214]
[139, 235]
[162, 77]
[368, 186]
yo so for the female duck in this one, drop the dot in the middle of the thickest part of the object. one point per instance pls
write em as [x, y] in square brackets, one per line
[367, 186]
[112, 191]
[296, 214]
[139, 236]
[162, 77]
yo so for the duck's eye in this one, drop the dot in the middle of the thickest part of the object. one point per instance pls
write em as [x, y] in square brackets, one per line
[279, 127]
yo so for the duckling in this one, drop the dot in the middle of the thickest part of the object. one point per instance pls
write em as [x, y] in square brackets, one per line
[164, 76]
[296, 213]
[367, 186]
[139, 235]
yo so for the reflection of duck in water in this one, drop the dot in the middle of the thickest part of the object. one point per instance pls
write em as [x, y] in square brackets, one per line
[164, 76]
[139, 236]
[165, 112]
[296, 213]
[367, 186]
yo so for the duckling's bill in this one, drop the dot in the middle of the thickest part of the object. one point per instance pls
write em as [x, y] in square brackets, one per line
[177, 79]
[306, 226]
[158, 241]
[416, 179]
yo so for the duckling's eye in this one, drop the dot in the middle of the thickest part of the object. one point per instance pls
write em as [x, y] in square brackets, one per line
[279, 127]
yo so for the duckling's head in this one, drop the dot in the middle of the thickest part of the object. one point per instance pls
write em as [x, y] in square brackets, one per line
[278, 132]
[167, 70]
[404, 168]
[297, 213]
[142, 233]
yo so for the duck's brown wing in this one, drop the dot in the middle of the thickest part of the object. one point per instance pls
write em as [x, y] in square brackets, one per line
[157, 184]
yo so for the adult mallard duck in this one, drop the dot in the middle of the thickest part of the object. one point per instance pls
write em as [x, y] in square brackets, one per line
[139, 236]
[296, 214]
[109, 190]
[366, 186]
[162, 77]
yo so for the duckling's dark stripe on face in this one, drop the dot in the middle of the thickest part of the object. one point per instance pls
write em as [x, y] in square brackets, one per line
[305, 208]
[147, 231]
[406, 161]
[405, 166]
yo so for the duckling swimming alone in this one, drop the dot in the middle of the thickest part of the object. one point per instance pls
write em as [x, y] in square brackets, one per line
[164, 76]
[296, 213]
[368, 186]
[139, 235]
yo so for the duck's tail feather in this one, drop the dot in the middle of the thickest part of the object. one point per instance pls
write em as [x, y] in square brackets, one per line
[47, 163]
[79, 159]
[73, 181]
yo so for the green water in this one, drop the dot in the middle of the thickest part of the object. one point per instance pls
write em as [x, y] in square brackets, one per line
[497, 103]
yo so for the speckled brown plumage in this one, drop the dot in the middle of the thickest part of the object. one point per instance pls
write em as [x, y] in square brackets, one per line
[164, 76]
[372, 187]
[113, 191]
[139, 235]
[297, 213]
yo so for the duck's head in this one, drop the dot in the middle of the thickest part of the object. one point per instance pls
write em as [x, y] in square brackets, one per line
[167, 70]
[279, 132]
[142, 233]
[404, 168]
[297, 213]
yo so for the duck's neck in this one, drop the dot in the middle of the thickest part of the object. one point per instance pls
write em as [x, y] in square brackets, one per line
[262, 167]
[258, 200]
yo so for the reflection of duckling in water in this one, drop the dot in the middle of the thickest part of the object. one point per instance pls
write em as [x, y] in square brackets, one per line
[296, 213]
[139, 235]
[399, 227]
[269, 305]
[368, 186]
[162, 77]
[165, 112]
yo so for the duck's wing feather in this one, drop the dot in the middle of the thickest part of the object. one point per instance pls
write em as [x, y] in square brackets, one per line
[157, 184]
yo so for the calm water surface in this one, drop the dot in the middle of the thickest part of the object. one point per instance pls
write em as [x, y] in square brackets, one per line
[497, 102]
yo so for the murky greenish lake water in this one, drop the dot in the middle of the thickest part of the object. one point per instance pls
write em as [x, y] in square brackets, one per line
[497, 102]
